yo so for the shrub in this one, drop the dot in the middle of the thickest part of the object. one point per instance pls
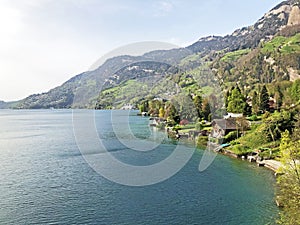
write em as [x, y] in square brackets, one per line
[199, 126]
[202, 142]
[241, 150]
[231, 136]
[253, 118]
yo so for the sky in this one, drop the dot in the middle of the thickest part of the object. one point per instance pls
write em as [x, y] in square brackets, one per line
[43, 43]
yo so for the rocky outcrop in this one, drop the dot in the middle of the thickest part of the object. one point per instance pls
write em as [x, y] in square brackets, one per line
[294, 18]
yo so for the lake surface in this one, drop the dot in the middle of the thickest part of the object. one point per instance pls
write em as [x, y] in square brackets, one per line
[44, 179]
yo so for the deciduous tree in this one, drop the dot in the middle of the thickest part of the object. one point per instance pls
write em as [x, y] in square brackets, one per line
[289, 182]
[236, 101]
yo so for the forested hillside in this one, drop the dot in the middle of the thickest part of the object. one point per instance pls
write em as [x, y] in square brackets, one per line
[262, 53]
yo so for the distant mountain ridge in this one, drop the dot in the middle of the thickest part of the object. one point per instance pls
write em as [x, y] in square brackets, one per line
[3, 105]
[249, 37]
[285, 17]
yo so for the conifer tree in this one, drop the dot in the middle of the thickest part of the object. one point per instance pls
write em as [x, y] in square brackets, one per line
[264, 99]
[295, 91]
[255, 103]
[278, 96]
[206, 109]
[198, 104]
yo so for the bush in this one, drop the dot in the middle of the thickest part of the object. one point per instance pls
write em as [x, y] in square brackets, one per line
[231, 136]
[199, 126]
[202, 142]
[235, 142]
[241, 150]
[253, 118]
[209, 117]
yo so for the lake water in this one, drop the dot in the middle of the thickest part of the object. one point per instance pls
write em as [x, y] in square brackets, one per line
[44, 179]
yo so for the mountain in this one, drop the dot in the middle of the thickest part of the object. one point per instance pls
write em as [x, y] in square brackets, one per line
[3, 105]
[7, 105]
[244, 45]
[286, 13]
[82, 90]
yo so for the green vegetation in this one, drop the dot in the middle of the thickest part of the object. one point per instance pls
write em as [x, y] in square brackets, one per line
[236, 102]
[125, 93]
[234, 56]
[264, 135]
[289, 181]
[295, 91]
[202, 142]
[187, 61]
[280, 44]
[276, 135]
[259, 79]
[270, 62]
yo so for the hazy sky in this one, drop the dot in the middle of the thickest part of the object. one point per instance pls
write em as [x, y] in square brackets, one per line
[45, 42]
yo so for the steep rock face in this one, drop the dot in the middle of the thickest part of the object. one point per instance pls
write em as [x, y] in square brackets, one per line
[293, 74]
[281, 11]
[286, 13]
[294, 18]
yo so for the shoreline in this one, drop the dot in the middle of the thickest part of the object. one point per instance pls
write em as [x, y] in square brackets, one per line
[270, 164]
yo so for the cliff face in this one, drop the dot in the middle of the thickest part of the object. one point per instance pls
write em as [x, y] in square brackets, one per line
[284, 14]
[294, 18]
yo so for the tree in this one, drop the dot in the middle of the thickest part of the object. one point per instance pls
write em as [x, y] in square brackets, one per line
[278, 96]
[214, 103]
[144, 106]
[171, 114]
[161, 112]
[236, 101]
[206, 108]
[227, 95]
[295, 91]
[289, 182]
[264, 99]
[198, 105]
[255, 103]
[185, 106]
[275, 124]
[154, 106]
[242, 124]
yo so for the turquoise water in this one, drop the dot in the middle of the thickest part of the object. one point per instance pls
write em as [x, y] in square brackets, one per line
[45, 180]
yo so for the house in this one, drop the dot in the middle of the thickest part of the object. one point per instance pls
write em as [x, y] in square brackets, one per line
[221, 127]
[233, 115]
[127, 107]
[272, 104]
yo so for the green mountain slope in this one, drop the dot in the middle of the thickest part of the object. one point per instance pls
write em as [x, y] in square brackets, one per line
[274, 60]
[245, 55]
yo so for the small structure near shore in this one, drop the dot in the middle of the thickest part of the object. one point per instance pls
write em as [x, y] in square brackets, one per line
[221, 127]
[156, 121]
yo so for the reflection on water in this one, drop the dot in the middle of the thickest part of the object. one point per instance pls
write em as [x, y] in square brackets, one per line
[44, 179]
